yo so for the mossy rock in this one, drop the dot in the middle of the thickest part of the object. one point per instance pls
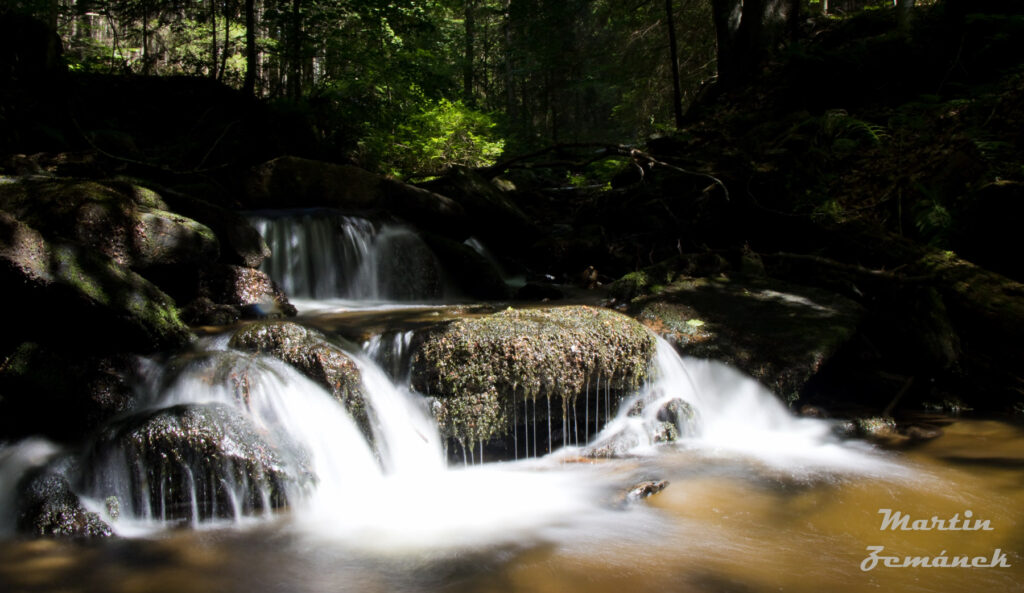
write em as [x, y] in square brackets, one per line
[110, 307]
[780, 333]
[478, 369]
[313, 355]
[156, 461]
[128, 223]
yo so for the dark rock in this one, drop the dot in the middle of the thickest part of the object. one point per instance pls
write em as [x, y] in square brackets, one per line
[655, 278]
[62, 394]
[192, 462]
[536, 291]
[491, 212]
[48, 507]
[780, 333]
[111, 308]
[293, 182]
[472, 273]
[245, 287]
[203, 311]
[313, 355]
[290, 182]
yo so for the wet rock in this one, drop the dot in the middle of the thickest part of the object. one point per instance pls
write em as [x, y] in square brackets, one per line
[876, 427]
[489, 367]
[193, 462]
[48, 507]
[110, 307]
[62, 394]
[645, 489]
[780, 333]
[313, 355]
[128, 223]
[252, 290]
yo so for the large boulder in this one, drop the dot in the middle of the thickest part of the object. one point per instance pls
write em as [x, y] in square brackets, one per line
[779, 333]
[313, 355]
[293, 182]
[488, 373]
[48, 507]
[193, 462]
[240, 243]
[110, 307]
[130, 224]
[490, 210]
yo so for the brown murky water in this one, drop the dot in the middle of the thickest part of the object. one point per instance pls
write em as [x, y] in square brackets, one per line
[722, 526]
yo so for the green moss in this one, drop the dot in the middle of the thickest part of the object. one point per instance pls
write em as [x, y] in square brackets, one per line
[478, 368]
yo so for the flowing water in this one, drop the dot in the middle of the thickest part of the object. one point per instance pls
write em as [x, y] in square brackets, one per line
[757, 500]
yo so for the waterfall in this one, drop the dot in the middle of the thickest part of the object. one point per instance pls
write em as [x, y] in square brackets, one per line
[322, 254]
[725, 412]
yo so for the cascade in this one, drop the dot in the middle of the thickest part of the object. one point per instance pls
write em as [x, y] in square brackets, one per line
[322, 254]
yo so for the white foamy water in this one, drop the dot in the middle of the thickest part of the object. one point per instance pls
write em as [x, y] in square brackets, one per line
[737, 416]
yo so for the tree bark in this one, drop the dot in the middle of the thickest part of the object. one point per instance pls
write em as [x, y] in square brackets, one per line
[467, 65]
[294, 74]
[677, 93]
[249, 84]
[227, 40]
[213, 40]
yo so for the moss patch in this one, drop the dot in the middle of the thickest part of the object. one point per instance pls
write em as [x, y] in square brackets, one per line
[478, 368]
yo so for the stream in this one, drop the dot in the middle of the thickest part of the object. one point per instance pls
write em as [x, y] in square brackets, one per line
[757, 499]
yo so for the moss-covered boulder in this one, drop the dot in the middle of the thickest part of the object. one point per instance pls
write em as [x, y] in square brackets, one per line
[192, 462]
[314, 355]
[48, 507]
[130, 224]
[487, 373]
[110, 307]
[779, 333]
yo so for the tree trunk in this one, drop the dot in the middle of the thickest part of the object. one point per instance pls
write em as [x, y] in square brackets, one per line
[294, 74]
[227, 40]
[510, 93]
[213, 40]
[904, 13]
[677, 93]
[467, 65]
[249, 85]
